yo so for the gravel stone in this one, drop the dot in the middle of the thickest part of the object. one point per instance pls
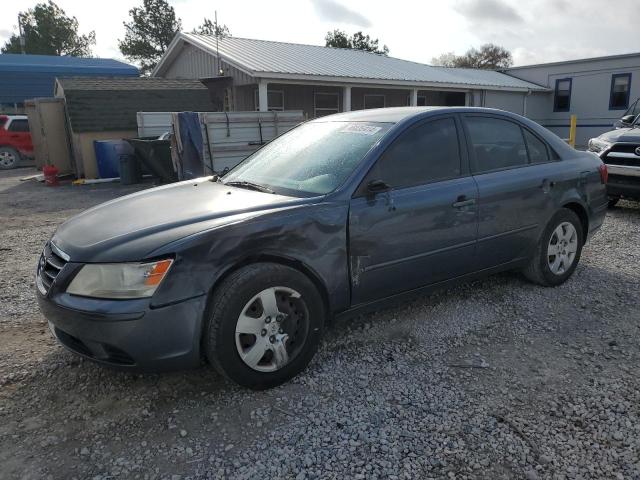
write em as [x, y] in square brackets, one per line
[497, 379]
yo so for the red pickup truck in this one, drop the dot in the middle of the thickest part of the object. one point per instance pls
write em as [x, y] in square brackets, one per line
[15, 140]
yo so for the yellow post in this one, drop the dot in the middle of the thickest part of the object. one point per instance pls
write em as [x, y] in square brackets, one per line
[572, 131]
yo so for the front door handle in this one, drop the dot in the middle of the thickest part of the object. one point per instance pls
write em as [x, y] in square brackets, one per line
[463, 201]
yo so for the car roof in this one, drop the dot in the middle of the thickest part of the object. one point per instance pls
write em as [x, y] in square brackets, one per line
[397, 114]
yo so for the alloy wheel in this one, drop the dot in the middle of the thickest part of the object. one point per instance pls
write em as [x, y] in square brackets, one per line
[7, 159]
[563, 245]
[271, 329]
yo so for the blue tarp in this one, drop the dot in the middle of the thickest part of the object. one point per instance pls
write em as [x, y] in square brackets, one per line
[191, 154]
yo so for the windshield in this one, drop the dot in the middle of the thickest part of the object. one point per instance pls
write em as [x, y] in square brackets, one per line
[312, 159]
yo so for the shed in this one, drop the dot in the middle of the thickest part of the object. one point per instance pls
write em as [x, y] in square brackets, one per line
[106, 108]
[24, 77]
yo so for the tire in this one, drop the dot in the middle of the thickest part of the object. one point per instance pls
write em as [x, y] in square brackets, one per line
[550, 270]
[296, 331]
[613, 201]
[9, 158]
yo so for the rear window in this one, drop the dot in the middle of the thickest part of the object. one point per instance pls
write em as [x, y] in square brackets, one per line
[496, 143]
[19, 126]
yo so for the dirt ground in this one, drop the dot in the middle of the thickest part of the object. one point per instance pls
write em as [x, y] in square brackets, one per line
[493, 379]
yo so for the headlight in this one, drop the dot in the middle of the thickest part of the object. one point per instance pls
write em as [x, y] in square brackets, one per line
[597, 145]
[119, 280]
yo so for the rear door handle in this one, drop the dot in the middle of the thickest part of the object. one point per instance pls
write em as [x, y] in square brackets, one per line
[463, 201]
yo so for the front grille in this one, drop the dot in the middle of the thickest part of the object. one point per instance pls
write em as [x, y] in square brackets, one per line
[50, 264]
[623, 154]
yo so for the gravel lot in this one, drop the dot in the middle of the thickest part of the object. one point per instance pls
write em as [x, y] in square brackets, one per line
[495, 379]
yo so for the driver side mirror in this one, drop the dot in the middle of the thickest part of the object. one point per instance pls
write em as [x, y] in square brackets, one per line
[628, 119]
[377, 186]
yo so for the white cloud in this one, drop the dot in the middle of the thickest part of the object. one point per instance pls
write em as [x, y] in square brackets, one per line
[535, 31]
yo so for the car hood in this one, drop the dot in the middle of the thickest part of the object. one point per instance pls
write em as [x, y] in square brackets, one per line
[130, 228]
[622, 135]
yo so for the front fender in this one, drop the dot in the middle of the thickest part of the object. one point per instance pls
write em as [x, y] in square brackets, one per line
[313, 236]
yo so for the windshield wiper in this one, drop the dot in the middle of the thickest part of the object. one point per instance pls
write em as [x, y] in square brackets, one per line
[250, 186]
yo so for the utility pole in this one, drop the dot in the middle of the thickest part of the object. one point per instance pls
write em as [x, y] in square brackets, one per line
[22, 39]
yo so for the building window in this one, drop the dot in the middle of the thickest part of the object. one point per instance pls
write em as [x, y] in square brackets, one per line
[562, 97]
[619, 95]
[374, 101]
[422, 101]
[325, 104]
[275, 100]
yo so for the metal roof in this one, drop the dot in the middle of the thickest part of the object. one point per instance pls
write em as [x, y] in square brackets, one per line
[280, 60]
[110, 104]
[31, 76]
[12, 62]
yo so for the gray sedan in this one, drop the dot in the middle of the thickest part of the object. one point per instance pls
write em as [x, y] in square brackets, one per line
[337, 216]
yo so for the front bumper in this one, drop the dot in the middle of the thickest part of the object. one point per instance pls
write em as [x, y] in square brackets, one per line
[624, 181]
[127, 334]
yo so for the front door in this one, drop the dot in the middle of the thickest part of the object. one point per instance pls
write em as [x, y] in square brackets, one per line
[422, 230]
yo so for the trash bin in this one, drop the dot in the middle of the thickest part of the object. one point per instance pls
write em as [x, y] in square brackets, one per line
[108, 154]
[130, 172]
[155, 156]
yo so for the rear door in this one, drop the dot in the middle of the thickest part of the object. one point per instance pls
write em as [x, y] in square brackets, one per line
[423, 229]
[516, 173]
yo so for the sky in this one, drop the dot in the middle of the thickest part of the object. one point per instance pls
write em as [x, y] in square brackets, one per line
[535, 31]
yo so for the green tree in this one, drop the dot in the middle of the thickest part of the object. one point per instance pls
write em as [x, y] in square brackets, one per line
[488, 57]
[211, 28]
[149, 33]
[358, 41]
[49, 31]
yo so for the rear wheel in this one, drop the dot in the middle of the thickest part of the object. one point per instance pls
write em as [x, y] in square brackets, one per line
[265, 325]
[558, 250]
[9, 158]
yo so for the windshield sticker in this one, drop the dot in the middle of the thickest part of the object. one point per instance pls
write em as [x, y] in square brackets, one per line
[361, 129]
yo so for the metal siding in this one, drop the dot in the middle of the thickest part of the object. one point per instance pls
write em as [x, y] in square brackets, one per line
[510, 101]
[590, 94]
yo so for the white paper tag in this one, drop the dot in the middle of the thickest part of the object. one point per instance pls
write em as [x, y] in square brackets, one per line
[361, 129]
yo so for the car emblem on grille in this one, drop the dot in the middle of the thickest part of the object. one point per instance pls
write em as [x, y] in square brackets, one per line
[638, 151]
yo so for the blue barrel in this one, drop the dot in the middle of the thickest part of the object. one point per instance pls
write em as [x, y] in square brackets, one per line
[108, 154]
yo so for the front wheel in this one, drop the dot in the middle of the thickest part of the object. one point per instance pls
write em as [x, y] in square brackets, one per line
[9, 158]
[558, 250]
[265, 325]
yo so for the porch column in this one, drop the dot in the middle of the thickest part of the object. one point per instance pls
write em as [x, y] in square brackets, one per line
[346, 99]
[263, 104]
[414, 97]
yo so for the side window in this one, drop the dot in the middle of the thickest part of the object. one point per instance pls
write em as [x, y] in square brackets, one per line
[496, 143]
[619, 95]
[538, 152]
[562, 96]
[19, 126]
[423, 154]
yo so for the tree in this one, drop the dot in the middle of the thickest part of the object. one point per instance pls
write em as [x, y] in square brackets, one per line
[212, 28]
[358, 41]
[48, 30]
[488, 57]
[445, 60]
[149, 33]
